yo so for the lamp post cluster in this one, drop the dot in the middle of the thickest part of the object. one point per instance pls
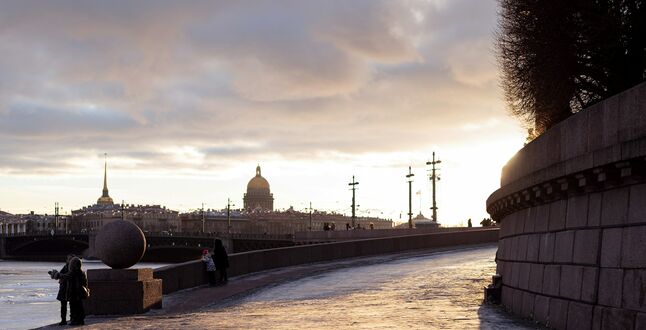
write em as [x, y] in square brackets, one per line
[433, 177]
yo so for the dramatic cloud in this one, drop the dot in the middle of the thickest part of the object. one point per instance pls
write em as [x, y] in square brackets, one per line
[189, 86]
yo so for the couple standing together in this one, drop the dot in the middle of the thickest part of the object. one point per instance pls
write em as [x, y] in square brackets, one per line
[73, 287]
[218, 261]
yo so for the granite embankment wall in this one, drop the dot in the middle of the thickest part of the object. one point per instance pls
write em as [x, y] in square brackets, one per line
[342, 235]
[192, 274]
[572, 215]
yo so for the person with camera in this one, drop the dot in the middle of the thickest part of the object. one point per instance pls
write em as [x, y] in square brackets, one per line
[62, 288]
[76, 289]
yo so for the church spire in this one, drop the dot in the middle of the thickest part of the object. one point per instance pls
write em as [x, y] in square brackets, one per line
[105, 176]
[258, 170]
[105, 198]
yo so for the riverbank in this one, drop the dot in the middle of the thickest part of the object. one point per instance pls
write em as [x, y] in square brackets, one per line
[189, 306]
[28, 294]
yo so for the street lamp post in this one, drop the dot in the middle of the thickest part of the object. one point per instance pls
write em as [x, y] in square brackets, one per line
[229, 216]
[203, 222]
[434, 177]
[409, 176]
[56, 216]
[353, 185]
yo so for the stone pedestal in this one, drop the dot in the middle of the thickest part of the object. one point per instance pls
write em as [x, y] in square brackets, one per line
[123, 291]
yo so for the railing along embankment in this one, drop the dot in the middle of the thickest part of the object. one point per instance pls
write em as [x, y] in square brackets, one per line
[192, 274]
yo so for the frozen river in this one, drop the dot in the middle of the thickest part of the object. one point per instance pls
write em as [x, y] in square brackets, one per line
[440, 290]
[28, 295]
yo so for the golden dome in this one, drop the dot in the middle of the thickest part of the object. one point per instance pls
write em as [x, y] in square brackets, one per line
[105, 200]
[258, 183]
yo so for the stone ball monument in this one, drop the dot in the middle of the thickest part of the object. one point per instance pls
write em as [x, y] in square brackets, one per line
[120, 244]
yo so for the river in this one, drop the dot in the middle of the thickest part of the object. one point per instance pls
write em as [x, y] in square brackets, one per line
[28, 295]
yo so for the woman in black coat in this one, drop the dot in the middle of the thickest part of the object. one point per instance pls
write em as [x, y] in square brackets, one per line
[221, 259]
[62, 289]
[77, 290]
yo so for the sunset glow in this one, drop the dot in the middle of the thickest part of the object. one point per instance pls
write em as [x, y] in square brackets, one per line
[186, 99]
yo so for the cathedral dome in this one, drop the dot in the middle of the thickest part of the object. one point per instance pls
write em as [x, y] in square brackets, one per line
[258, 196]
[258, 184]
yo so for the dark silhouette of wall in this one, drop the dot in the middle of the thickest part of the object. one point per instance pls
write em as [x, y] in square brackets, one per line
[572, 215]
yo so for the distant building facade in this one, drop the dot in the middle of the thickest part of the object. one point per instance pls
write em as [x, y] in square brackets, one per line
[31, 223]
[420, 221]
[150, 218]
[258, 196]
[272, 223]
[258, 216]
[12, 224]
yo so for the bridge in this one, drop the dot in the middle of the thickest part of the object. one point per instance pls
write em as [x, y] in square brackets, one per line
[161, 247]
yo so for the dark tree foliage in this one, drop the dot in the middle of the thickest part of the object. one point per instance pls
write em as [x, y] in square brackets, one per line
[486, 222]
[559, 56]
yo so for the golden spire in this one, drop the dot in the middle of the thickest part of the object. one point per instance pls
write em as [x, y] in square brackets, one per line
[105, 176]
[105, 198]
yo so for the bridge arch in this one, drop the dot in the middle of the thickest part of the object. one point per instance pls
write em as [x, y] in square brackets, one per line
[51, 246]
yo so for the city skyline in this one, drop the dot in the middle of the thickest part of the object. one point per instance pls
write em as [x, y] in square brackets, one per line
[419, 201]
[187, 99]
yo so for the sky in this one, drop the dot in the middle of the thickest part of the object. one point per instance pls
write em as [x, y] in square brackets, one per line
[187, 97]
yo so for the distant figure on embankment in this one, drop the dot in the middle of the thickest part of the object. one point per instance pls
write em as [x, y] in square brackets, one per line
[221, 259]
[210, 266]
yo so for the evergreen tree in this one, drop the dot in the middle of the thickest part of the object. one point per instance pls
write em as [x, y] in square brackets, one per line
[558, 57]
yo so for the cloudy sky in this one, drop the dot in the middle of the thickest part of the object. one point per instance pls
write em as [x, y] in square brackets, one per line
[186, 97]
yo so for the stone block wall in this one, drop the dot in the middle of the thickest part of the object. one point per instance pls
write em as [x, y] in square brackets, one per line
[572, 215]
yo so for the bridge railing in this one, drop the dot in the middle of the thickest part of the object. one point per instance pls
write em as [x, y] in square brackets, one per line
[192, 273]
[222, 235]
[162, 234]
[339, 235]
[43, 235]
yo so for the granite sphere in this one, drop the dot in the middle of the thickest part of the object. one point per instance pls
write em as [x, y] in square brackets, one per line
[120, 244]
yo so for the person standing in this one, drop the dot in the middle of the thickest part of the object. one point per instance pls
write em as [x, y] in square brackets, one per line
[210, 266]
[221, 261]
[62, 288]
[76, 291]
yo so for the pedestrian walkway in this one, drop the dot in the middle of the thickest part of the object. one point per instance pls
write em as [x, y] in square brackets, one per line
[203, 300]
